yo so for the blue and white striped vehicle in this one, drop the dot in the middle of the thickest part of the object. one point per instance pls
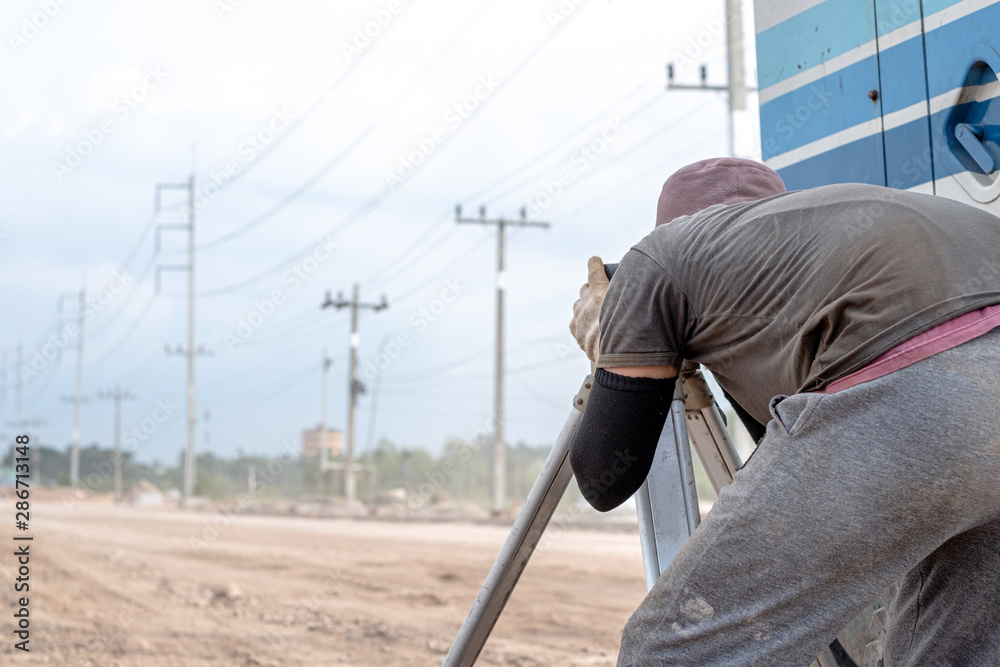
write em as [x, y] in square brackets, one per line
[902, 93]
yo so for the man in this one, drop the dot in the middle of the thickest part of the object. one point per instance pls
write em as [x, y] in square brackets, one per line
[856, 322]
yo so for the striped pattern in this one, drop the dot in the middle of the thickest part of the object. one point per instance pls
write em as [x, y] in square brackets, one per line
[867, 90]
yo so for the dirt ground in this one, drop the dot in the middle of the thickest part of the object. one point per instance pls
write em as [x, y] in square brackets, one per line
[113, 585]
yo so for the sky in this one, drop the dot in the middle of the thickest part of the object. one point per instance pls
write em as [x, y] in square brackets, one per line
[329, 143]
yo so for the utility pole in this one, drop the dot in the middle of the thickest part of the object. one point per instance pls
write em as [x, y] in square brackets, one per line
[190, 350]
[354, 386]
[499, 453]
[736, 89]
[117, 396]
[78, 399]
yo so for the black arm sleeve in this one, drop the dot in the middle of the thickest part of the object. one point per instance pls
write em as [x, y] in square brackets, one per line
[614, 445]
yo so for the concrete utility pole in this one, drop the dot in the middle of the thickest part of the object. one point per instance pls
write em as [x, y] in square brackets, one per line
[191, 350]
[78, 399]
[117, 396]
[354, 386]
[499, 453]
[736, 90]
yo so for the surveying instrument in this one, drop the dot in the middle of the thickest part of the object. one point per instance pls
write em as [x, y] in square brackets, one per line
[667, 511]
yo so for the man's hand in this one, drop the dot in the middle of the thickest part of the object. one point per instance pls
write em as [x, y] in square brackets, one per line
[586, 323]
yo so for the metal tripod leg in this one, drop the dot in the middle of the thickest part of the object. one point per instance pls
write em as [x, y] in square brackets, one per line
[667, 502]
[541, 503]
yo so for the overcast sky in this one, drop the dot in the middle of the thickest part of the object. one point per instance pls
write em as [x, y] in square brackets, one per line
[330, 142]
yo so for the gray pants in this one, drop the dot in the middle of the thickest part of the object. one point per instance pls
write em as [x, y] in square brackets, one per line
[897, 479]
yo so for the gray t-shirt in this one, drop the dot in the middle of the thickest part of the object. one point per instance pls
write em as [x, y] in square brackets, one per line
[789, 293]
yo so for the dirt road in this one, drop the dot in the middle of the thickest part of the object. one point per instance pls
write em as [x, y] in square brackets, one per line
[125, 586]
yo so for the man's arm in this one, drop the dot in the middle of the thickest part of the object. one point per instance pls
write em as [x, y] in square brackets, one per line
[614, 445]
[633, 325]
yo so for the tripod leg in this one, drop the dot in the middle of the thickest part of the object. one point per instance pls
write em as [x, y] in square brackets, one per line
[709, 437]
[667, 502]
[541, 503]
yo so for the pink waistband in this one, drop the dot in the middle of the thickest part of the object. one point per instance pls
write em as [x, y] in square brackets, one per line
[942, 337]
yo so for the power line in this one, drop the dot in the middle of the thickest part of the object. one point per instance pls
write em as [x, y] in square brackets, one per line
[294, 126]
[632, 181]
[117, 346]
[533, 176]
[387, 191]
[460, 260]
[312, 180]
[397, 264]
[127, 299]
[437, 370]
[393, 266]
[519, 169]
[465, 258]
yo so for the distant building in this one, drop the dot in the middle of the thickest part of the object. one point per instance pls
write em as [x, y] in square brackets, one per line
[313, 440]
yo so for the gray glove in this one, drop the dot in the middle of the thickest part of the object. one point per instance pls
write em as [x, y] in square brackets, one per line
[586, 323]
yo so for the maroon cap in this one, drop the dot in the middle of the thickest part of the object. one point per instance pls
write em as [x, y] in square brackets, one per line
[724, 180]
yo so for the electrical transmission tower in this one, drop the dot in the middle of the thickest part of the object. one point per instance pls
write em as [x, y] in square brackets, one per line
[499, 505]
[190, 350]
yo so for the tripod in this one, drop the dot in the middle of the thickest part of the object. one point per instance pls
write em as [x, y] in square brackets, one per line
[666, 505]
